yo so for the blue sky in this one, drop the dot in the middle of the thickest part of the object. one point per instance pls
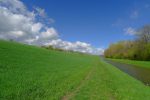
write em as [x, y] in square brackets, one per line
[98, 22]
[87, 26]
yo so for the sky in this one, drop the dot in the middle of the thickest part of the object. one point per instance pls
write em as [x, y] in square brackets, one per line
[80, 25]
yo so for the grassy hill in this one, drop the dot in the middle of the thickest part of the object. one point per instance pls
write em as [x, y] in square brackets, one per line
[30, 72]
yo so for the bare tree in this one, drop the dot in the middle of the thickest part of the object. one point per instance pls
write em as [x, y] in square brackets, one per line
[144, 34]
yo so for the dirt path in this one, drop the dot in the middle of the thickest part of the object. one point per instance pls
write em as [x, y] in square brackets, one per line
[73, 93]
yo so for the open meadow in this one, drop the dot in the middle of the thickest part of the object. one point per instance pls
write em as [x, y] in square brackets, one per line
[30, 72]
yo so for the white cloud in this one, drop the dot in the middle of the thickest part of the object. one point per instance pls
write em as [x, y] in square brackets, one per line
[75, 46]
[49, 33]
[14, 5]
[130, 31]
[36, 27]
[42, 16]
[40, 11]
[17, 23]
[20, 24]
[17, 33]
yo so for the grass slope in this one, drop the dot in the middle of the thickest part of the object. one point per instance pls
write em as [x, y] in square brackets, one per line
[145, 64]
[29, 73]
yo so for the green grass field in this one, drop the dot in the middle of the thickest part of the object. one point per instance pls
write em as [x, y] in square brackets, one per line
[145, 64]
[33, 73]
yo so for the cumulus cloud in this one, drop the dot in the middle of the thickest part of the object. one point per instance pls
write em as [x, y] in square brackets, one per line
[130, 31]
[75, 46]
[50, 32]
[41, 12]
[20, 24]
[42, 16]
[14, 6]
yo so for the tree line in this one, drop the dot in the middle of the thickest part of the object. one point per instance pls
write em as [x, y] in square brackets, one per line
[137, 49]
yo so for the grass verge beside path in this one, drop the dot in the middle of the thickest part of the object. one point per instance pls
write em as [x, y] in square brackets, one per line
[145, 64]
[109, 83]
